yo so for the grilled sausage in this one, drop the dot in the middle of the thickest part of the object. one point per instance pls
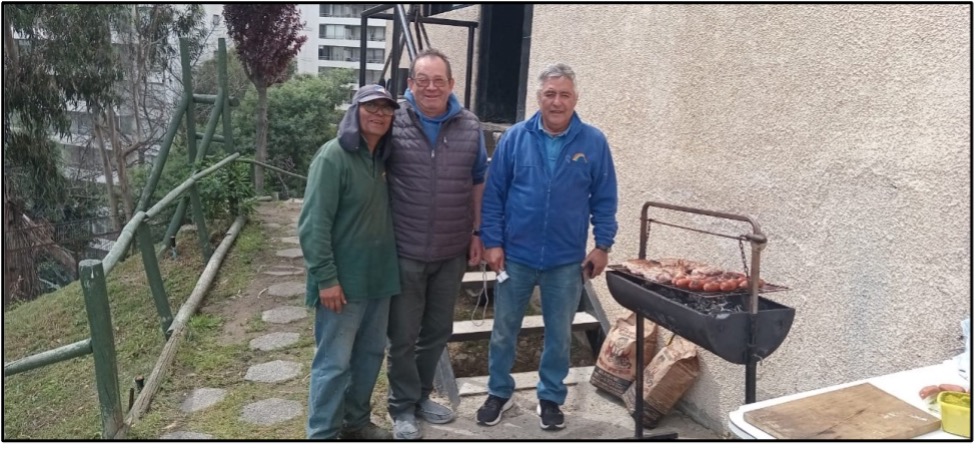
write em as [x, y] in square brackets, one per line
[682, 282]
[928, 392]
[711, 286]
[952, 387]
[695, 285]
[728, 285]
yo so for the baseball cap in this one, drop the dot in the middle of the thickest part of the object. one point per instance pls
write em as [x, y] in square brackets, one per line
[372, 92]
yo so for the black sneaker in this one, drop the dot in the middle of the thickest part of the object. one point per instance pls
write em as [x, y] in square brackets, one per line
[490, 413]
[550, 416]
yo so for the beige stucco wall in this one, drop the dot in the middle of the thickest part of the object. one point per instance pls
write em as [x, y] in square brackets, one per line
[453, 42]
[844, 130]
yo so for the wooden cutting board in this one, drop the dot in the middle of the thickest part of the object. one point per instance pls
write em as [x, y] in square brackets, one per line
[858, 412]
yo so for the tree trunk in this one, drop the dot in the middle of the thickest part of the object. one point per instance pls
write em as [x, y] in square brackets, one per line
[8, 272]
[120, 164]
[109, 179]
[137, 78]
[261, 139]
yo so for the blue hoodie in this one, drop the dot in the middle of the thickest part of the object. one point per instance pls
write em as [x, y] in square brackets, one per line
[432, 127]
[540, 218]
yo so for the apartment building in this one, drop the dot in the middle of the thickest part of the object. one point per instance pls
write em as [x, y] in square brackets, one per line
[333, 32]
[336, 39]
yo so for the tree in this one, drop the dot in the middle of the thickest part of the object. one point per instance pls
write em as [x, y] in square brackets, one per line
[54, 60]
[267, 38]
[303, 117]
[147, 45]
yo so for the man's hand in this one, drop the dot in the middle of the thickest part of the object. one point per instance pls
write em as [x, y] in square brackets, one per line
[495, 257]
[597, 258]
[475, 250]
[333, 298]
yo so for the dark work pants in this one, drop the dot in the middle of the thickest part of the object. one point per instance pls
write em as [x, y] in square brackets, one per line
[420, 324]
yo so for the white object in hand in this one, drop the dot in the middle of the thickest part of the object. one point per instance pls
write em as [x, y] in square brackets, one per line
[501, 277]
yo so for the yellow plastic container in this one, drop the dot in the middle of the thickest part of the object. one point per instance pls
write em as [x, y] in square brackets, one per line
[955, 412]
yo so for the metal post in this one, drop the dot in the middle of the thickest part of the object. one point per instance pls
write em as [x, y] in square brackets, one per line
[151, 264]
[103, 345]
[405, 28]
[395, 60]
[639, 376]
[755, 248]
[363, 21]
[468, 67]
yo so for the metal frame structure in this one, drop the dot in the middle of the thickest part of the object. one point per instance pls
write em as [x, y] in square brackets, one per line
[402, 38]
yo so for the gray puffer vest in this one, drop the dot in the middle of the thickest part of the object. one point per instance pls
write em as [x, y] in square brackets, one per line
[431, 188]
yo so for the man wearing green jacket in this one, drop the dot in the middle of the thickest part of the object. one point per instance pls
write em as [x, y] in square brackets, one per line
[347, 238]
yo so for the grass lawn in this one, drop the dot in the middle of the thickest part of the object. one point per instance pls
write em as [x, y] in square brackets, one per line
[59, 401]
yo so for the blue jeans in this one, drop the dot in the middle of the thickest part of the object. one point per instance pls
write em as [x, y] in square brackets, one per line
[349, 351]
[560, 290]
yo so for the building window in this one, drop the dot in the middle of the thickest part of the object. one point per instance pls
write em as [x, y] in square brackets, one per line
[330, 53]
[376, 33]
[372, 76]
[332, 32]
[374, 55]
[351, 32]
[343, 9]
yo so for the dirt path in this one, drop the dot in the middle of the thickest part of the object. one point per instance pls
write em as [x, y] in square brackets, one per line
[250, 381]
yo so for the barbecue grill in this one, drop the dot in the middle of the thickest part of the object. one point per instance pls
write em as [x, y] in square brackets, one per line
[740, 327]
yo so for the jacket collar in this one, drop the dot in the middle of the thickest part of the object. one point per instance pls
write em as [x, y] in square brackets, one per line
[534, 125]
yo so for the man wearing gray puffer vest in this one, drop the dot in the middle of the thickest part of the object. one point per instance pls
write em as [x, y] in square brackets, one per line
[436, 175]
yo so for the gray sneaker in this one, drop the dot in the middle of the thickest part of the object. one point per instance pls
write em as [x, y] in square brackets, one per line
[368, 432]
[433, 412]
[406, 428]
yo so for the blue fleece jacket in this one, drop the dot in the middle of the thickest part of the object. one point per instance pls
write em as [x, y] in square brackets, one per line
[540, 218]
[432, 127]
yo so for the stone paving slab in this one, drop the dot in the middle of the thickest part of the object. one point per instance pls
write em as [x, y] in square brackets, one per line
[284, 314]
[271, 411]
[272, 372]
[287, 289]
[274, 341]
[202, 398]
[284, 271]
[292, 240]
[272, 225]
[291, 253]
[181, 435]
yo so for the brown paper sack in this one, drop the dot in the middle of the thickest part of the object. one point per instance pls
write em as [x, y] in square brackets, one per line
[615, 368]
[669, 375]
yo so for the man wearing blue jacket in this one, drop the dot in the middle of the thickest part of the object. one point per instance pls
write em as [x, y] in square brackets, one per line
[550, 175]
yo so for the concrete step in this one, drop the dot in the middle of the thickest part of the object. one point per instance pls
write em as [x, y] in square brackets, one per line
[532, 324]
[473, 279]
[468, 386]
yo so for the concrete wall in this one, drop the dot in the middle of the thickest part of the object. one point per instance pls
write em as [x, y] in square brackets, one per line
[453, 42]
[844, 130]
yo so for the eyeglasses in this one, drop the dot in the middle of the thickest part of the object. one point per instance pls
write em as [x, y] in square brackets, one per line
[379, 108]
[424, 82]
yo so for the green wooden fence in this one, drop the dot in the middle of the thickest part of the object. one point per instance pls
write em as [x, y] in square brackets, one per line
[93, 273]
